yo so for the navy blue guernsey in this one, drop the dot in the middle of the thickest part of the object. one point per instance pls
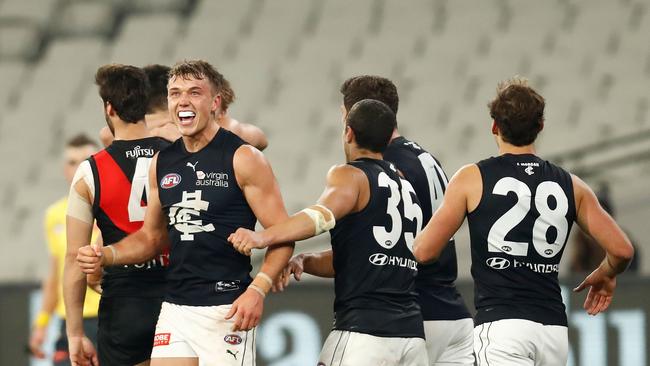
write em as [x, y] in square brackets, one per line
[120, 173]
[204, 205]
[518, 233]
[435, 284]
[375, 268]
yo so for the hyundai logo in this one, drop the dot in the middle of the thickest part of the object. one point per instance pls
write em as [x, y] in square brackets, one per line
[378, 259]
[498, 263]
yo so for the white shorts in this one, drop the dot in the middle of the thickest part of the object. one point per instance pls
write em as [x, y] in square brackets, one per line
[344, 348]
[450, 342]
[517, 342]
[202, 332]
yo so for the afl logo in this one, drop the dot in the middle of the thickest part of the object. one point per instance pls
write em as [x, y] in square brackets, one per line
[170, 180]
[378, 259]
[498, 263]
[233, 339]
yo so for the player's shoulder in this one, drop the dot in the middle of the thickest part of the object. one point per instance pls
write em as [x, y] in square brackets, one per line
[345, 174]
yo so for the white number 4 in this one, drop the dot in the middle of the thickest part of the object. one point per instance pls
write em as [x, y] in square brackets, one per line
[139, 185]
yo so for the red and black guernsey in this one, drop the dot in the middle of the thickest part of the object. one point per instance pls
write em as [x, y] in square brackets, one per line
[120, 173]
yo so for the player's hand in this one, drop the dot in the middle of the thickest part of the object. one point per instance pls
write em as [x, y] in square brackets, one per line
[244, 240]
[82, 352]
[36, 340]
[89, 259]
[246, 310]
[601, 290]
[295, 267]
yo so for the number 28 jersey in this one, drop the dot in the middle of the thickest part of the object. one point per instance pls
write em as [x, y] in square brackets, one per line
[518, 232]
[120, 174]
[374, 265]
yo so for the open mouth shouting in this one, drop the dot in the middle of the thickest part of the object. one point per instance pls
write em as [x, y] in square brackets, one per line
[186, 118]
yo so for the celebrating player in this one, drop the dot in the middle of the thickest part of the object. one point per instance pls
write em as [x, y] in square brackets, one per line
[520, 210]
[373, 216]
[447, 322]
[110, 188]
[203, 187]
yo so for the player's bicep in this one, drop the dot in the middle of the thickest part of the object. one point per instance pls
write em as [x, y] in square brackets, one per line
[595, 221]
[341, 191]
[260, 188]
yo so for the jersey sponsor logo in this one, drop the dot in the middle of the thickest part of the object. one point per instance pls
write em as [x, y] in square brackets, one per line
[537, 267]
[498, 262]
[170, 180]
[232, 339]
[213, 179]
[183, 215]
[381, 259]
[138, 152]
[161, 339]
[225, 286]
[233, 353]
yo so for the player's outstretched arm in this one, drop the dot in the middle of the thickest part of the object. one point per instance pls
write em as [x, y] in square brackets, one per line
[255, 177]
[319, 264]
[448, 217]
[79, 226]
[595, 221]
[138, 247]
[339, 198]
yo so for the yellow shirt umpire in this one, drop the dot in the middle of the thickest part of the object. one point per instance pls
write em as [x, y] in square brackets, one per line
[76, 150]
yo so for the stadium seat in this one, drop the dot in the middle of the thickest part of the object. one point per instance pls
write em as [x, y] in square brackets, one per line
[19, 40]
[85, 18]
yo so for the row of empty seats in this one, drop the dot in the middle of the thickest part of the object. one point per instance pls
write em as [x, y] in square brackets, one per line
[286, 60]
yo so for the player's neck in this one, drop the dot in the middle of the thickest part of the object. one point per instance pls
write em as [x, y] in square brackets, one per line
[506, 148]
[157, 119]
[131, 131]
[394, 135]
[224, 120]
[200, 140]
[363, 153]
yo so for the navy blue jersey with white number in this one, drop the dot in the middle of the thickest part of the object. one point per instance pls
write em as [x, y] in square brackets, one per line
[518, 233]
[435, 283]
[200, 196]
[375, 267]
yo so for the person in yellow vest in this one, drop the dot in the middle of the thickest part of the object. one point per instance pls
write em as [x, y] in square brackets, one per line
[77, 150]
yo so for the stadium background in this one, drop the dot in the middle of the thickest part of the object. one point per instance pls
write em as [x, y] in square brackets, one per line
[286, 59]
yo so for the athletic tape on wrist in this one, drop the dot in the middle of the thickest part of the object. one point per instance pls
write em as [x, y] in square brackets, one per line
[265, 277]
[259, 290]
[114, 252]
[321, 224]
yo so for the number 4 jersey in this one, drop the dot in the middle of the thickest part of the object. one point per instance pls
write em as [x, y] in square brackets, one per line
[518, 232]
[120, 175]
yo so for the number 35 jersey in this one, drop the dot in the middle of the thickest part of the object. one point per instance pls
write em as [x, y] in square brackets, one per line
[374, 265]
[120, 174]
[518, 232]
[203, 203]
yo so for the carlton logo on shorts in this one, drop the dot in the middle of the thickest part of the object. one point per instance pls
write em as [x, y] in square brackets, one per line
[232, 339]
[170, 180]
[498, 262]
[161, 339]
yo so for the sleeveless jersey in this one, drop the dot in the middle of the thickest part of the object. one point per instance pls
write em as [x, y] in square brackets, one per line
[435, 282]
[518, 232]
[373, 260]
[204, 205]
[120, 173]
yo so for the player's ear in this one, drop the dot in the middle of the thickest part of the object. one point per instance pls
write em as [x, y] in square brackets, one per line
[495, 129]
[216, 104]
[541, 125]
[349, 134]
[108, 108]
